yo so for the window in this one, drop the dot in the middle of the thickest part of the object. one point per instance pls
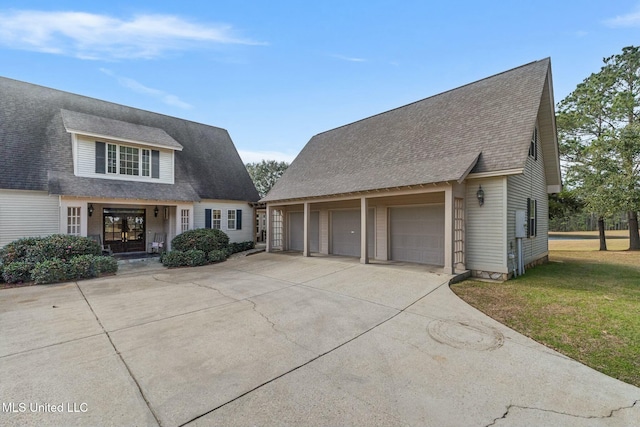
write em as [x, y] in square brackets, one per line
[231, 219]
[532, 215]
[112, 158]
[123, 160]
[276, 229]
[129, 161]
[533, 147]
[217, 219]
[73, 221]
[184, 218]
[145, 163]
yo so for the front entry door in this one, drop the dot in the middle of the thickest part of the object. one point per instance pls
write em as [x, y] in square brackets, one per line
[124, 229]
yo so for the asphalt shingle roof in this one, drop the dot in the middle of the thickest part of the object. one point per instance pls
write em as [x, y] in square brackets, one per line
[486, 125]
[36, 149]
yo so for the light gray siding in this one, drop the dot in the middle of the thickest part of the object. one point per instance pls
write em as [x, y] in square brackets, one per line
[485, 225]
[248, 218]
[530, 184]
[27, 214]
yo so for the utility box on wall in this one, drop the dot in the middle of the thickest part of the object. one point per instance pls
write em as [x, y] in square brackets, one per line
[521, 223]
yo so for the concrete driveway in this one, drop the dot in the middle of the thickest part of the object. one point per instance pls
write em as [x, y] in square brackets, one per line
[284, 340]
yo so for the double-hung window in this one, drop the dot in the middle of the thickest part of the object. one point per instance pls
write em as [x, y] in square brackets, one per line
[73, 221]
[532, 217]
[231, 219]
[125, 160]
[129, 161]
[533, 147]
[146, 154]
[217, 219]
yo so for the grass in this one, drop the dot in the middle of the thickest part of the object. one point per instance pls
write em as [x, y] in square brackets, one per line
[584, 304]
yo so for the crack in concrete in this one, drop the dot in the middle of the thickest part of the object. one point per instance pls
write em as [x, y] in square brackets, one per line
[585, 417]
[254, 307]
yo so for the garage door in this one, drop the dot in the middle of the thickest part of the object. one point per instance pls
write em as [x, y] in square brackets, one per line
[417, 234]
[345, 232]
[296, 231]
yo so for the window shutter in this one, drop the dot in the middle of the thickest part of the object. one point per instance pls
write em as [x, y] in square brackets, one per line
[529, 218]
[239, 219]
[535, 226]
[535, 154]
[155, 164]
[207, 218]
[100, 157]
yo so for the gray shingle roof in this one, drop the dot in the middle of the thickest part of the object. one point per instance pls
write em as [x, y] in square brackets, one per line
[35, 148]
[117, 129]
[433, 140]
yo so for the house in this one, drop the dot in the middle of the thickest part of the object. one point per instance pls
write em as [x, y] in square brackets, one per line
[437, 182]
[77, 165]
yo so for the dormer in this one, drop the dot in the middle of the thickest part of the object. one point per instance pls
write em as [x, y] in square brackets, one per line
[113, 149]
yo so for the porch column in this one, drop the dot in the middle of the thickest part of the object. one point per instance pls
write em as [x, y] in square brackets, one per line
[269, 229]
[364, 236]
[307, 221]
[449, 268]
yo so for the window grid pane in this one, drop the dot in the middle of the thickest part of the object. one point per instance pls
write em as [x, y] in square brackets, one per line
[112, 158]
[145, 162]
[231, 219]
[129, 161]
[184, 219]
[73, 221]
[217, 219]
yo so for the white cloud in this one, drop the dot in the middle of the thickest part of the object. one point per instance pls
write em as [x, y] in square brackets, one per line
[631, 19]
[93, 36]
[258, 156]
[349, 58]
[138, 87]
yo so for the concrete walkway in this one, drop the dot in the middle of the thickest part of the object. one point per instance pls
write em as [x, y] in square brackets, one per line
[284, 340]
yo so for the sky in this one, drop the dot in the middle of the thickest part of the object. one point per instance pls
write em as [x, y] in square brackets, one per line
[275, 73]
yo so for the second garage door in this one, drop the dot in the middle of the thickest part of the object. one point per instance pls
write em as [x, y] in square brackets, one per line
[296, 231]
[345, 232]
[417, 234]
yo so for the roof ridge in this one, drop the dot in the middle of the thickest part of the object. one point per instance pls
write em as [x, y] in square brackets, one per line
[433, 96]
[109, 102]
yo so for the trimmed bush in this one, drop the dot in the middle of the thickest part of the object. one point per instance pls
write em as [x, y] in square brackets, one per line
[37, 249]
[173, 259]
[17, 250]
[203, 239]
[51, 271]
[218, 255]
[241, 246]
[195, 257]
[106, 265]
[82, 267]
[17, 272]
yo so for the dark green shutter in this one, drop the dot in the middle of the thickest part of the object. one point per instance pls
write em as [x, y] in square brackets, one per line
[100, 157]
[529, 218]
[207, 218]
[239, 219]
[535, 227]
[155, 164]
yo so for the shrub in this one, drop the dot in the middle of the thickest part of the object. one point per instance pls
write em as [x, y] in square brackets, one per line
[195, 257]
[82, 267]
[241, 246]
[17, 250]
[217, 255]
[106, 265]
[204, 239]
[51, 271]
[174, 259]
[37, 249]
[17, 272]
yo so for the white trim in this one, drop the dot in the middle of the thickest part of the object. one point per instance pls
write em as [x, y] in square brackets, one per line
[552, 189]
[126, 140]
[516, 171]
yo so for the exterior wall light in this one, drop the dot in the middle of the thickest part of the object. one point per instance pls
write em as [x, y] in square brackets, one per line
[155, 212]
[90, 210]
[480, 196]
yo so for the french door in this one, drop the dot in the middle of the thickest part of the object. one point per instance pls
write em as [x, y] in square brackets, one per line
[124, 229]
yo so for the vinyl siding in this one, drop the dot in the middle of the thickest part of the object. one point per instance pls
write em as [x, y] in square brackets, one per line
[485, 227]
[248, 218]
[27, 214]
[85, 150]
[530, 184]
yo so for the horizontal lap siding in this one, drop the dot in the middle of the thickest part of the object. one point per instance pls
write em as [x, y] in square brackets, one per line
[248, 218]
[28, 214]
[485, 228]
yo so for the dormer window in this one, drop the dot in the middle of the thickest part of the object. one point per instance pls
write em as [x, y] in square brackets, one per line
[533, 147]
[126, 160]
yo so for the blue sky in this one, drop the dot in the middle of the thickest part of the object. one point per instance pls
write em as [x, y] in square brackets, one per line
[275, 73]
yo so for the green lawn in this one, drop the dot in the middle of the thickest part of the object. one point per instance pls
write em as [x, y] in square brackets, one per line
[585, 305]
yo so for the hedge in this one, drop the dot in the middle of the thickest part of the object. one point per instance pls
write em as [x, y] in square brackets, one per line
[17, 272]
[203, 239]
[241, 246]
[37, 249]
[217, 255]
[190, 258]
[80, 267]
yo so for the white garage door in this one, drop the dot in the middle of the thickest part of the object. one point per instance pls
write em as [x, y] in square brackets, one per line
[296, 231]
[417, 234]
[345, 232]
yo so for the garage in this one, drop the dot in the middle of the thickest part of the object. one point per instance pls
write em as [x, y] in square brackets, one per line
[345, 232]
[296, 231]
[417, 234]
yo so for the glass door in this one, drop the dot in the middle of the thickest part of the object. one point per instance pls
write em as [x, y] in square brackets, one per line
[124, 229]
